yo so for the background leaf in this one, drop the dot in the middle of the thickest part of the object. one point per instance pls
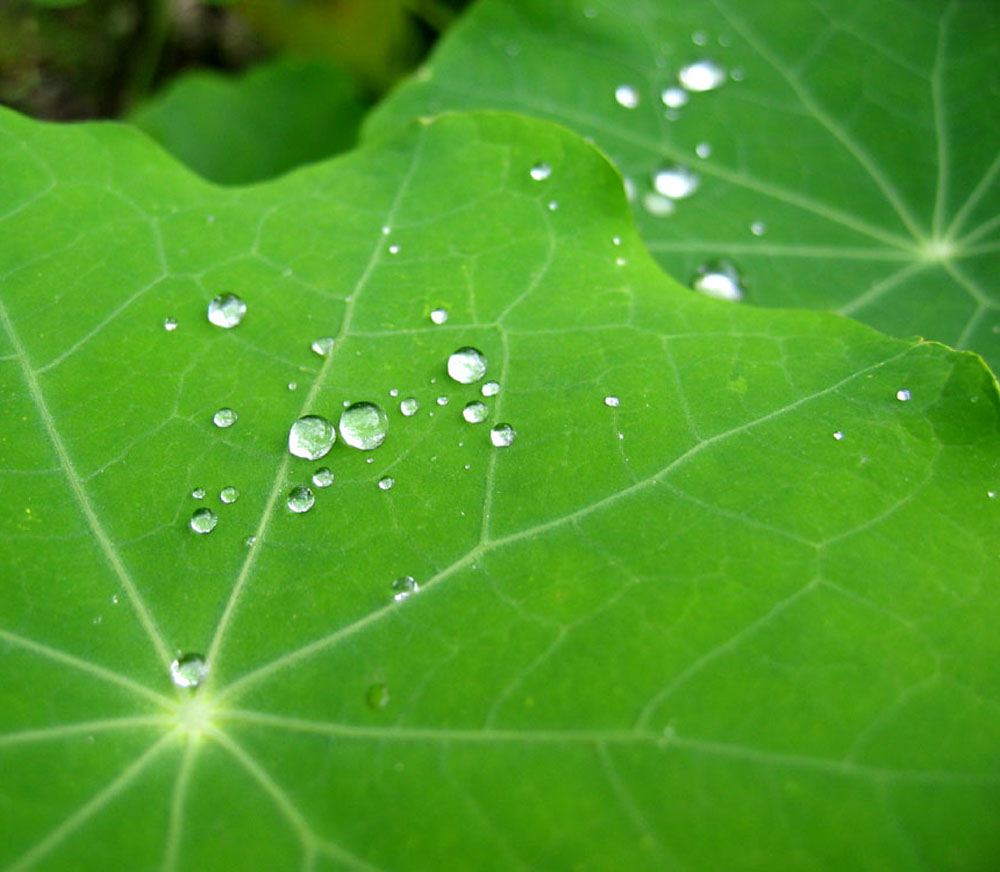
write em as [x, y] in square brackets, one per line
[860, 140]
[691, 630]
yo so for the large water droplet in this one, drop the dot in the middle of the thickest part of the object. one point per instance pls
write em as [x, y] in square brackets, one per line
[170, 324]
[386, 482]
[502, 435]
[439, 316]
[229, 494]
[702, 75]
[409, 406]
[720, 279]
[188, 670]
[323, 346]
[405, 587]
[377, 697]
[541, 171]
[364, 425]
[674, 98]
[226, 310]
[300, 499]
[676, 181]
[490, 389]
[467, 365]
[203, 521]
[475, 412]
[323, 477]
[311, 437]
[224, 418]
[903, 395]
[627, 96]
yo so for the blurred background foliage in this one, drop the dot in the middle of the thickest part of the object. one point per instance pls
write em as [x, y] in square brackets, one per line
[239, 90]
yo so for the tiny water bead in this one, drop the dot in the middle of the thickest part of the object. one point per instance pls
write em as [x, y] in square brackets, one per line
[188, 670]
[676, 181]
[719, 279]
[439, 316]
[224, 418]
[409, 406]
[364, 425]
[674, 97]
[170, 324]
[540, 171]
[293, 386]
[758, 228]
[703, 150]
[838, 435]
[553, 205]
[323, 346]
[203, 521]
[322, 477]
[250, 541]
[386, 482]
[502, 435]
[229, 494]
[226, 310]
[903, 395]
[300, 499]
[377, 697]
[442, 400]
[393, 392]
[627, 96]
[475, 412]
[198, 493]
[393, 249]
[490, 389]
[612, 401]
[467, 365]
[702, 75]
[404, 587]
[311, 437]
[657, 205]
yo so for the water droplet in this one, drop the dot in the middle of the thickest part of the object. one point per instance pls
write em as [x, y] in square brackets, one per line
[250, 541]
[541, 171]
[364, 425]
[467, 365]
[377, 697]
[676, 181]
[293, 386]
[553, 205]
[439, 316]
[991, 494]
[838, 435]
[658, 205]
[502, 435]
[674, 97]
[224, 418]
[386, 230]
[114, 599]
[620, 261]
[442, 400]
[589, 12]
[629, 187]
[203, 521]
[616, 240]
[903, 395]
[612, 401]
[409, 406]
[627, 96]
[737, 75]
[323, 346]
[719, 279]
[393, 249]
[475, 412]
[405, 587]
[323, 477]
[226, 310]
[699, 37]
[311, 437]
[386, 482]
[490, 389]
[758, 228]
[188, 670]
[703, 150]
[702, 75]
[300, 499]
[229, 494]
[198, 493]
[170, 324]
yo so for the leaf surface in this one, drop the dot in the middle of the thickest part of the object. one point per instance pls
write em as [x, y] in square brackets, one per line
[693, 630]
[852, 167]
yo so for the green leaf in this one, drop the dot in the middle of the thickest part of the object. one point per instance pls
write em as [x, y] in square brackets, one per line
[863, 138]
[694, 630]
[279, 115]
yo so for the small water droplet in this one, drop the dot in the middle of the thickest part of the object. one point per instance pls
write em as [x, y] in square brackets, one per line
[991, 494]
[170, 324]
[409, 406]
[467, 466]
[293, 386]
[838, 435]
[439, 316]
[300, 499]
[758, 228]
[377, 697]
[467, 365]
[322, 477]
[553, 205]
[364, 425]
[229, 494]
[405, 586]
[612, 401]
[541, 171]
[311, 437]
[224, 418]
[737, 75]
[203, 521]
[627, 96]
[676, 181]
[629, 187]
[442, 400]
[903, 395]
[490, 389]
[323, 346]
[386, 230]
[674, 97]
[250, 541]
[198, 493]
[699, 37]
[702, 75]
[719, 279]
[393, 249]
[616, 240]
[475, 412]
[393, 392]
[386, 482]
[188, 670]
[502, 435]
[589, 12]
[658, 205]
[226, 310]
[620, 261]
[703, 150]
[114, 599]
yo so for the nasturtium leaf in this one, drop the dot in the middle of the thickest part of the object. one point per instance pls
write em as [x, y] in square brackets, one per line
[675, 623]
[848, 161]
[275, 117]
